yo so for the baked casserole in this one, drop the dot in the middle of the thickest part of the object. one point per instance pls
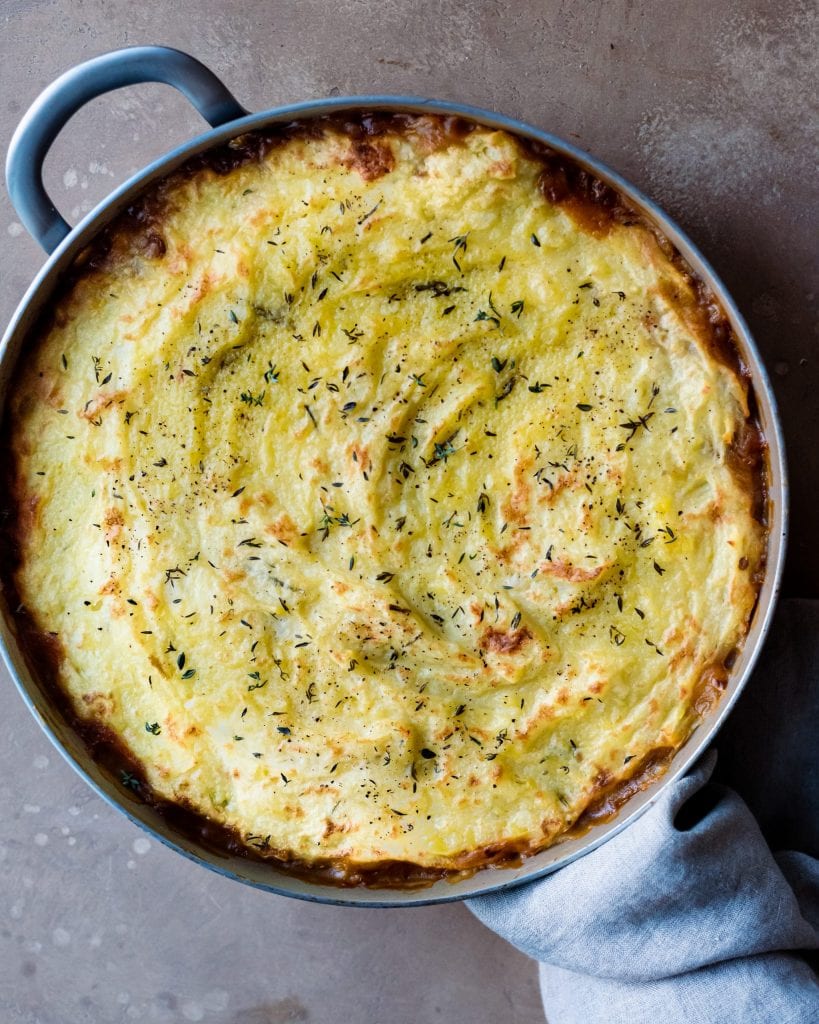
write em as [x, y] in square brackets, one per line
[386, 494]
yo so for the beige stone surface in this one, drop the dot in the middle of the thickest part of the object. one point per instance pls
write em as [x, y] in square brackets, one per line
[709, 107]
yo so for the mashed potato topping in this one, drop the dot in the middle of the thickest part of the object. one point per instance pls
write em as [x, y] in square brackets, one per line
[382, 504]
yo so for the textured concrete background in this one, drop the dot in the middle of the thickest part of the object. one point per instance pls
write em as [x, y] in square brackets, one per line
[706, 106]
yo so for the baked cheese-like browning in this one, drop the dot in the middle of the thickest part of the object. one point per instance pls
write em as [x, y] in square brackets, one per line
[382, 496]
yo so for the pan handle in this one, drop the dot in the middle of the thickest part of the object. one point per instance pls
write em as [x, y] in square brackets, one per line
[48, 114]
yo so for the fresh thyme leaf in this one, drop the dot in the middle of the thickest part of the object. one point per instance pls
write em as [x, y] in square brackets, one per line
[483, 315]
[443, 451]
[506, 390]
[617, 637]
[460, 247]
[634, 425]
[369, 214]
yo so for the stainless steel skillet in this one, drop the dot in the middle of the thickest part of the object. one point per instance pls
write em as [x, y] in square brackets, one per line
[228, 119]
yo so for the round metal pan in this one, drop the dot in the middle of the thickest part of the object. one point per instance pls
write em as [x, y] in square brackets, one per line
[228, 119]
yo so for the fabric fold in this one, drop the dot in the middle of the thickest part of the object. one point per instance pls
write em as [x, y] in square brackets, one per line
[637, 909]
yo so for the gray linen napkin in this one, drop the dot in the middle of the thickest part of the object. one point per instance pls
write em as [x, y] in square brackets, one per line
[687, 916]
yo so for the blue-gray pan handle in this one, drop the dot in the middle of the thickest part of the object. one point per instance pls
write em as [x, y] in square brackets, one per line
[48, 114]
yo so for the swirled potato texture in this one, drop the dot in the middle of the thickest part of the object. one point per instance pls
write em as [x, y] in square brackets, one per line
[381, 506]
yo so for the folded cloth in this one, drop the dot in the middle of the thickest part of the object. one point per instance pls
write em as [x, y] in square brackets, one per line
[685, 916]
